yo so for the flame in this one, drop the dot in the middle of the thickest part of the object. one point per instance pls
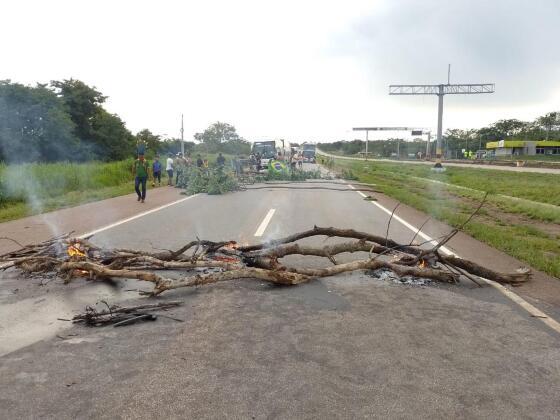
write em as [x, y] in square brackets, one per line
[231, 245]
[422, 264]
[74, 250]
[83, 273]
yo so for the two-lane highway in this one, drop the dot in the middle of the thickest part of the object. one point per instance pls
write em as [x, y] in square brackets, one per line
[345, 347]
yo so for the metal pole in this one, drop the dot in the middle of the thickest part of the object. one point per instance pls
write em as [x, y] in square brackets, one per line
[367, 141]
[439, 126]
[182, 140]
[398, 148]
[428, 145]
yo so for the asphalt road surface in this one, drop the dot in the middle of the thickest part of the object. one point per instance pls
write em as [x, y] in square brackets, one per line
[343, 347]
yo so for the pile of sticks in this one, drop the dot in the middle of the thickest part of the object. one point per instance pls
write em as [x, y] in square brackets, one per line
[204, 262]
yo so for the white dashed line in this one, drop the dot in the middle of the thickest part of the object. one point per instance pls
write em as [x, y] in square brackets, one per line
[264, 223]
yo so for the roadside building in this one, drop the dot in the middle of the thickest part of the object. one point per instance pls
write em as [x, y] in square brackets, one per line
[523, 148]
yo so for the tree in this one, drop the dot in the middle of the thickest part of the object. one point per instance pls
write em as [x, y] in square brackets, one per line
[104, 136]
[549, 122]
[82, 104]
[34, 125]
[113, 141]
[153, 142]
[222, 137]
[509, 128]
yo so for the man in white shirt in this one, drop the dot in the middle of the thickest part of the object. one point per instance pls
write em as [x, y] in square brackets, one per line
[169, 169]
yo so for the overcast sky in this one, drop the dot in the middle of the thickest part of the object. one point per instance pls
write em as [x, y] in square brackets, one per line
[301, 69]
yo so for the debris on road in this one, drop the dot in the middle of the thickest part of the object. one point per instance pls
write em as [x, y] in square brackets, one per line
[227, 260]
[389, 276]
[120, 316]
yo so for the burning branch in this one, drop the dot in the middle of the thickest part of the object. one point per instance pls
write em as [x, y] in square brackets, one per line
[205, 262]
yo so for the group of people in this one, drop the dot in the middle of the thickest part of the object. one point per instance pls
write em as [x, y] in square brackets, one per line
[295, 159]
[174, 165]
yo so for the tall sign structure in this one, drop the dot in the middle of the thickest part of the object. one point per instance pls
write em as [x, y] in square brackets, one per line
[414, 132]
[440, 91]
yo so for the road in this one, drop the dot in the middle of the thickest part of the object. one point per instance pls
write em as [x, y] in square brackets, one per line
[343, 347]
[460, 165]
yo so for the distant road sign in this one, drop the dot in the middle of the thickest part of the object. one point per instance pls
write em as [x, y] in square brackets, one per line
[416, 132]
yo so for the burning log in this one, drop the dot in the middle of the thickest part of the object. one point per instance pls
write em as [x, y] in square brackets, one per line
[227, 260]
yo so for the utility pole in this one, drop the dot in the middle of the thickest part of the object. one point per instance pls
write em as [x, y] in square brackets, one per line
[182, 139]
[367, 143]
[440, 91]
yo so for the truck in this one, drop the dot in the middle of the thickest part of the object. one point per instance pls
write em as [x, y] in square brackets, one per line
[270, 150]
[309, 152]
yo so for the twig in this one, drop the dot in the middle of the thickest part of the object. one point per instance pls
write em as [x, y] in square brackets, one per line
[419, 230]
[389, 223]
[13, 240]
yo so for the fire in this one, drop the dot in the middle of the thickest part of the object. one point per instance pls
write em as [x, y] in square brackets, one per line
[422, 264]
[74, 250]
[231, 245]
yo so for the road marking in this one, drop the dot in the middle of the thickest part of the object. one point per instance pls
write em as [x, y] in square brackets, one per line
[533, 311]
[137, 216]
[120, 222]
[265, 222]
[444, 249]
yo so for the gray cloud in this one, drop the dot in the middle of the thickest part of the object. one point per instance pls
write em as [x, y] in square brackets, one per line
[513, 43]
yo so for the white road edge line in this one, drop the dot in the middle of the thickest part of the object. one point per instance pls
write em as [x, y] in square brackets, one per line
[533, 311]
[265, 222]
[136, 216]
[120, 222]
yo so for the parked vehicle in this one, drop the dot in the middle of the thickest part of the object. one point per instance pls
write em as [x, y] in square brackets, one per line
[271, 150]
[309, 152]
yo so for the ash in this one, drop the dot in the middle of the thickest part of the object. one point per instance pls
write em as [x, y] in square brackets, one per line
[389, 276]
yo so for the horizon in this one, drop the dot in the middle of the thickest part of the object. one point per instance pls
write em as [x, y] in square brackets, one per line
[260, 67]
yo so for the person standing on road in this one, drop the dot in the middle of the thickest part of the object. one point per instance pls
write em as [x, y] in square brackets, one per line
[179, 167]
[156, 170]
[169, 169]
[220, 160]
[140, 172]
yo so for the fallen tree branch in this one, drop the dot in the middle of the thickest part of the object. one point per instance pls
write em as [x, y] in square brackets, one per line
[212, 262]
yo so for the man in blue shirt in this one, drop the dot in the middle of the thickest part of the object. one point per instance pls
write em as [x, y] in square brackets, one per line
[156, 168]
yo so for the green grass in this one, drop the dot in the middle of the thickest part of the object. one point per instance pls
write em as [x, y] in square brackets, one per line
[525, 185]
[543, 158]
[528, 231]
[40, 187]
[34, 188]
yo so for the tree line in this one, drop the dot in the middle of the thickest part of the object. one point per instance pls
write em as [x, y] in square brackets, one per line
[66, 121]
[546, 127]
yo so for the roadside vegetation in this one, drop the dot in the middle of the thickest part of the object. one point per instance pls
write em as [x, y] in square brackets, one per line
[456, 141]
[521, 216]
[33, 188]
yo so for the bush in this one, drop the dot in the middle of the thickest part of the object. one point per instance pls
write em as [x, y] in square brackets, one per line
[212, 181]
[348, 175]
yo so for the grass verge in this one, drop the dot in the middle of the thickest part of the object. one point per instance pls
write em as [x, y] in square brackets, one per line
[526, 230]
